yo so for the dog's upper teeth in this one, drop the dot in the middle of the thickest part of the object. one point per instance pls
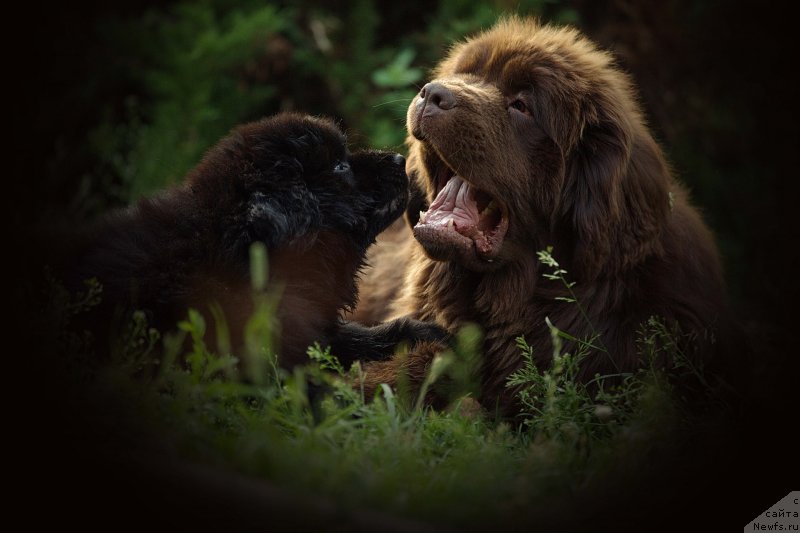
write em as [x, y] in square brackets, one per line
[491, 206]
[450, 223]
[422, 216]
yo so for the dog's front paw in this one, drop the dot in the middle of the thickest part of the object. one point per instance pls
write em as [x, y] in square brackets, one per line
[422, 331]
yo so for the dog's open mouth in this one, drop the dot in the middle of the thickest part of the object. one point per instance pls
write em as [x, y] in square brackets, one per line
[462, 218]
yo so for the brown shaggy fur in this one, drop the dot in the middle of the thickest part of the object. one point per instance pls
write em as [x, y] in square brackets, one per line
[539, 120]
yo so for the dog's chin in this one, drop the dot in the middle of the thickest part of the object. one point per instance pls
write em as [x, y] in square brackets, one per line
[392, 210]
[449, 246]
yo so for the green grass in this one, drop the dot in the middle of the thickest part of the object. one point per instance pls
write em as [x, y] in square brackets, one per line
[390, 454]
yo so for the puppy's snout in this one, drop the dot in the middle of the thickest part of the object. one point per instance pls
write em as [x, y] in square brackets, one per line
[437, 96]
[376, 169]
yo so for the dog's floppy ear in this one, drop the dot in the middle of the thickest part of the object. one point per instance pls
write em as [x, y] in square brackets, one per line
[267, 221]
[615, 196]
[592, 194]
[285, 215]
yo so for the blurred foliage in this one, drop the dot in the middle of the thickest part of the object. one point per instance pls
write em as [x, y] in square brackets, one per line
[196, 69]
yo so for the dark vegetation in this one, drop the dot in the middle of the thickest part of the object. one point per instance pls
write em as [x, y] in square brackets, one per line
[122, 99]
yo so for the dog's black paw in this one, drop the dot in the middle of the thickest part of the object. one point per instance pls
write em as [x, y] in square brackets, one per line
[353, 341]
[413, 331]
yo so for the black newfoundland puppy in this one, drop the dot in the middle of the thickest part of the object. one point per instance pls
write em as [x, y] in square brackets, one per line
[287, 181]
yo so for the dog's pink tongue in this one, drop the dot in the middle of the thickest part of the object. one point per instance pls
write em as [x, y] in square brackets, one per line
[452, 205]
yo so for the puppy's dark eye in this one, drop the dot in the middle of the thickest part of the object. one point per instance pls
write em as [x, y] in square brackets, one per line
[342, 167]
[520, 106]
[344, 174]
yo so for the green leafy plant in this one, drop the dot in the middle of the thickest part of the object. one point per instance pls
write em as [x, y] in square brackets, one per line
[557, 405]
[309, 430]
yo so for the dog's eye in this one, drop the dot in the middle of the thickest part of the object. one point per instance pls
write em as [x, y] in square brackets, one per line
[343, 173]
[520, 106]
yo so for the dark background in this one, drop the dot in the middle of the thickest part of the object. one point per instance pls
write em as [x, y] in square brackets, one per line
[716, 80]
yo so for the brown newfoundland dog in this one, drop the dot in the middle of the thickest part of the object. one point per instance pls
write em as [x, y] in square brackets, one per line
[529, 136]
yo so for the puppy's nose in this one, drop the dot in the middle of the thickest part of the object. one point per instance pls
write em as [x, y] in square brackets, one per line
[399, 160]
[438, 95]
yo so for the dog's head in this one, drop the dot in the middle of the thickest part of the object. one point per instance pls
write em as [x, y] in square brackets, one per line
[529, 136]
[284, 179]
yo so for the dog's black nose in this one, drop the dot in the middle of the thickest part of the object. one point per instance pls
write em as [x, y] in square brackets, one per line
[438, 95]
[399, 160]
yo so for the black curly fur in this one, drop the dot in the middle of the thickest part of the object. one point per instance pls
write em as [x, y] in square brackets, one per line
[287, 181]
